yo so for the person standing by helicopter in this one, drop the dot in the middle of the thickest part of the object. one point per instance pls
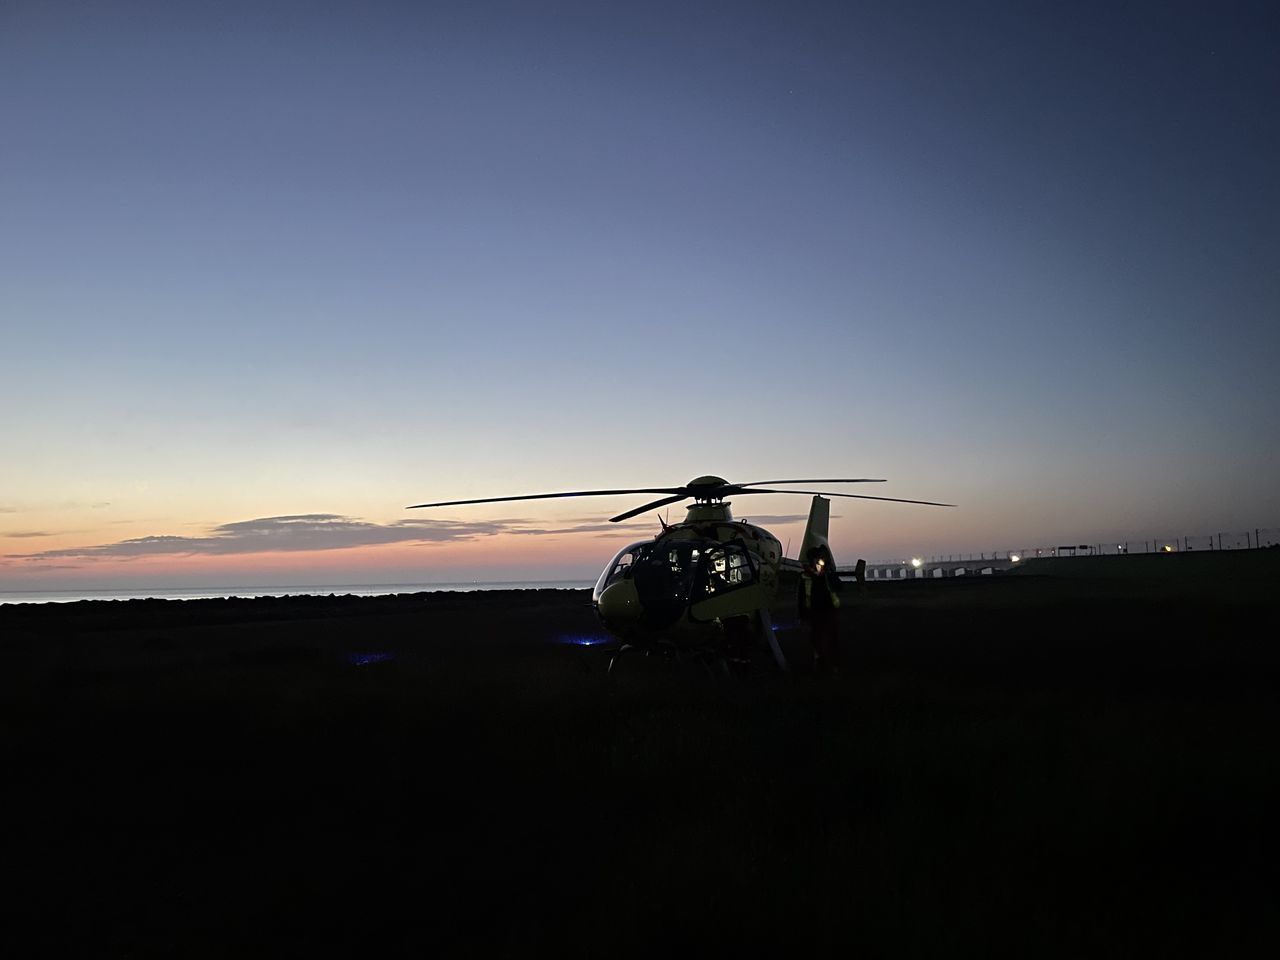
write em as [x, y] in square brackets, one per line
[818, 601]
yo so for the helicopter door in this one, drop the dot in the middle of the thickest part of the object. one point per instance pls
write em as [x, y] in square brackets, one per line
[728, 584]
[664, 575]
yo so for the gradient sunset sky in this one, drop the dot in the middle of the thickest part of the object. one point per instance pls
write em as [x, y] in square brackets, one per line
[269, 272]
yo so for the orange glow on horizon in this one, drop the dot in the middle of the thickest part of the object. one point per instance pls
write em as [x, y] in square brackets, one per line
[402, 562]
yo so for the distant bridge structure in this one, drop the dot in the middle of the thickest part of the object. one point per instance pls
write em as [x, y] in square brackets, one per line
[927, 569]
[1003, 561]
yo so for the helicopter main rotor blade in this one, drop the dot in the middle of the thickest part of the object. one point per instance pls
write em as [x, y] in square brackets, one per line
[756, 483]
[647, 507]
[853, 496]
[549, 496]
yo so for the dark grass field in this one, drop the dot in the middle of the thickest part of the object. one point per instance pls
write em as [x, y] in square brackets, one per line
[1064, 765]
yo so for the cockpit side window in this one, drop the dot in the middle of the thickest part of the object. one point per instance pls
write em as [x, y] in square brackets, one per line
[728, 567]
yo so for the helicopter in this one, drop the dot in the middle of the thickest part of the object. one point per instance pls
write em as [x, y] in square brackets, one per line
[704, 586]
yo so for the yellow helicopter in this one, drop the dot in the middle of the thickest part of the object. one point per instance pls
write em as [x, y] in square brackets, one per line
[705, 586]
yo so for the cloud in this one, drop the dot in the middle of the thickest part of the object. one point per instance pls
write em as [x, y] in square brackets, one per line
[576, 528]
[22, 534]
[8, 509]
[43, 566]
[764, 519]
[299, 533]
[308, 532]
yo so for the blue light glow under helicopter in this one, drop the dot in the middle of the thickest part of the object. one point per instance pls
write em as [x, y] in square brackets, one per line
[583, 640]
[365, 659]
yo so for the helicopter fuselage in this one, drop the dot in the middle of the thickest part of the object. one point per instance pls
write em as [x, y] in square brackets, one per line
[686, 584]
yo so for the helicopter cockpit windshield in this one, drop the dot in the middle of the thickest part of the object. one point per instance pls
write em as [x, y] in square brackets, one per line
[620, 567]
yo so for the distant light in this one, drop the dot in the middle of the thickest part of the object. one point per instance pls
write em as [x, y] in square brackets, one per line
[1168, 549]
[916, 562]
[1015, 558]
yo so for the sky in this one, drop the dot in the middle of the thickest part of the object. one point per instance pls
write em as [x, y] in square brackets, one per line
[271, 272]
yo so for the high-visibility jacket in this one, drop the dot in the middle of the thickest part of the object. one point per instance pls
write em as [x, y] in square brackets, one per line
[817, 593]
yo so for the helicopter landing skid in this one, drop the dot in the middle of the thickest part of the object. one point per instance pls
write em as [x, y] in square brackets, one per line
[710, 659]
[717, 659]
[668, 652]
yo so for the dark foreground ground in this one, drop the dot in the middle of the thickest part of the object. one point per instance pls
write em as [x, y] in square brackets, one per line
[1020, 765]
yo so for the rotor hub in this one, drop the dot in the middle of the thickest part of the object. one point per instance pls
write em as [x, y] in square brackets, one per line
[708, 488]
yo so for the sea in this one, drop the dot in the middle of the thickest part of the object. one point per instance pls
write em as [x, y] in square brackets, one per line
[299, 590]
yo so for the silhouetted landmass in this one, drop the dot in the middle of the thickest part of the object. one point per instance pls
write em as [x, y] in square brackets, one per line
[1029, 765]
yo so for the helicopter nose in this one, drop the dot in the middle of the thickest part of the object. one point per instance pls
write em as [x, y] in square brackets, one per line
[619, 604]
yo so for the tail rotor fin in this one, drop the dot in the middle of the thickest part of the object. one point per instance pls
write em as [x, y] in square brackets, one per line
[815, 531]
